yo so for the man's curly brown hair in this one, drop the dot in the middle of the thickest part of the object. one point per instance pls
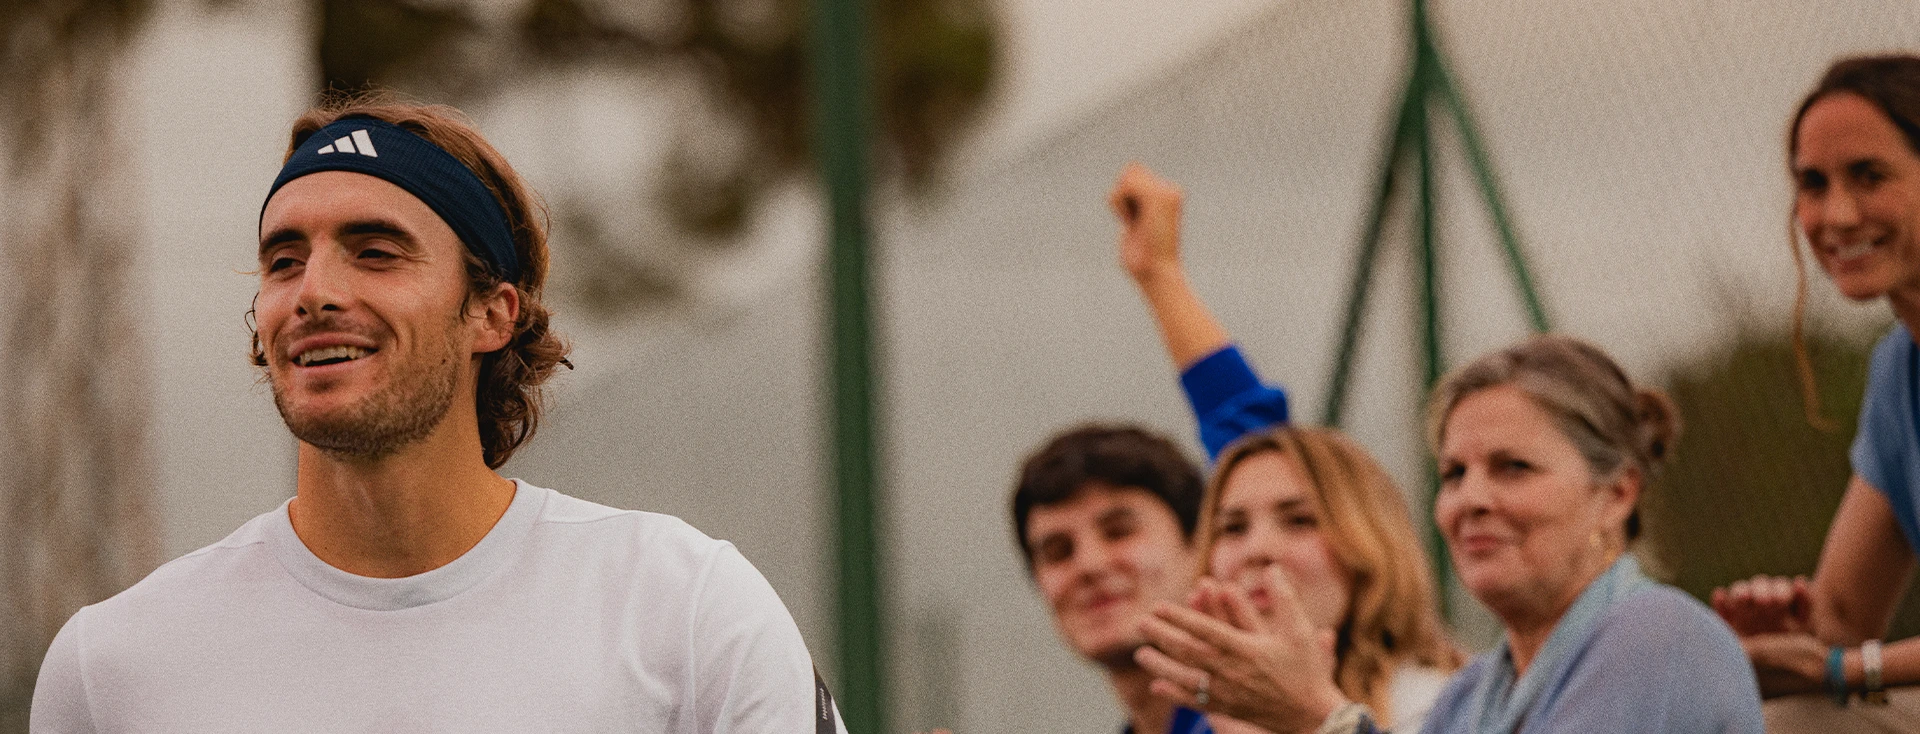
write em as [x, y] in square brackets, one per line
[508, 395]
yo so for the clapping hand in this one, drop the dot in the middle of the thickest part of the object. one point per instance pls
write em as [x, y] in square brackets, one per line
[1773, 616]
[1223, 656]
[1766, 605]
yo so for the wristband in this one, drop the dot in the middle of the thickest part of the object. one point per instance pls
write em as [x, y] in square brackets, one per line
[1871, 664]
[1837, 675]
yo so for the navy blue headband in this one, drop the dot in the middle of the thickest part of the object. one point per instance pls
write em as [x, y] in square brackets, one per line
[387, 151]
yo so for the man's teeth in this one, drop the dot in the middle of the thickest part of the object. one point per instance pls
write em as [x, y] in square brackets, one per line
[341, 353]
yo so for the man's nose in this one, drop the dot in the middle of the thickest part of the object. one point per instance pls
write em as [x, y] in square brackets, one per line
[323, 282]
[1093, 558]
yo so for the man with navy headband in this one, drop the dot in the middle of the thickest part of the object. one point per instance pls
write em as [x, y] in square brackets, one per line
[407, 587]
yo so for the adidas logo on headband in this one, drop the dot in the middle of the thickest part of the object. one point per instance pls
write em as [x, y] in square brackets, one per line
[358, 142]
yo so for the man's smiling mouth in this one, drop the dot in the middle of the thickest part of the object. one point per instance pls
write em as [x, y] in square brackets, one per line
[330, 355]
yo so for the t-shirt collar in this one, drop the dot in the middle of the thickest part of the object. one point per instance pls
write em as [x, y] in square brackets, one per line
[501, 543]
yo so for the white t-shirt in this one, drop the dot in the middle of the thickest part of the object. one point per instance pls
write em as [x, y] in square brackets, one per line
[1411, 694]
[568, 617]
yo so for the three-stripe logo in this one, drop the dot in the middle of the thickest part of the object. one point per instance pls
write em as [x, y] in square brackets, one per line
[356, 142]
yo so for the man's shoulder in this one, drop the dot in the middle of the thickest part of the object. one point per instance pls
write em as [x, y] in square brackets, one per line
[211, 583]
[584, 532]
[565, 513]
[239, 555]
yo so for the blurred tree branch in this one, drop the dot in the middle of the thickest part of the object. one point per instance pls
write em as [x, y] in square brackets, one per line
[746, 60]
[75, 481]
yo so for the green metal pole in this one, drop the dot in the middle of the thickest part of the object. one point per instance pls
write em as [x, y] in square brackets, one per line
[1404, 129]
[1428, 261]
[1426, 73]
[1489, 187]
[1413, 134]
[841, 119]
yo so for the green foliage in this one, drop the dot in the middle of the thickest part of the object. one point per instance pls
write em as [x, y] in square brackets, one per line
[933, 62]
[41, 44]
[1754, 485]
[362, 40]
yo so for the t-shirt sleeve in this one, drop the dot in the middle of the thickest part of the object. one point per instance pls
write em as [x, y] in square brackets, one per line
[60, 695]
[1881, 452]
[1229, 400]
[751, 669]
[1660, 661]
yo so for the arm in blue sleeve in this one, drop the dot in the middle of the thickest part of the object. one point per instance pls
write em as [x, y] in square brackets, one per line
[1228, 399]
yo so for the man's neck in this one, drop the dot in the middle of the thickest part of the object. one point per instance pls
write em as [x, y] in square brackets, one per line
[1148, 713]
[403, 514]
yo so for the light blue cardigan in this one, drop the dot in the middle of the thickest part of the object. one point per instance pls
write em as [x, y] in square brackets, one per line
[1630, 655]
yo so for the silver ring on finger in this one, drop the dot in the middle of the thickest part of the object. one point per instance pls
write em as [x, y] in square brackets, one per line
[1200, 696]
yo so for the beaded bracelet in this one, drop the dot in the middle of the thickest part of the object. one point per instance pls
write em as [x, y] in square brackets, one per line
[1837, 675]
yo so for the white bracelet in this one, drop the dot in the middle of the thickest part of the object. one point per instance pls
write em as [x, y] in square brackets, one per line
[1344, 720]
[1871, 666]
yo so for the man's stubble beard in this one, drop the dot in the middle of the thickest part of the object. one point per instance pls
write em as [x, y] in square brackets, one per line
[413, 402]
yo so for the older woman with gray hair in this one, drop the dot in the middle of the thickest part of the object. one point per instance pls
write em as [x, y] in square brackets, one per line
[1545, 449]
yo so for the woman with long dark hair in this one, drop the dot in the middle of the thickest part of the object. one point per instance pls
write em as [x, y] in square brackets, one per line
[1853, 151]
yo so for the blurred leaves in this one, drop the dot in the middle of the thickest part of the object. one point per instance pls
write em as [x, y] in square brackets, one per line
[746, 126]
[40, 42]
[363, 40]
[1753, 485]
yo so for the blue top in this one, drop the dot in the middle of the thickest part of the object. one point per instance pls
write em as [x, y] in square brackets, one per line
[1229, 400]
[1886, 451]
[1629, 655]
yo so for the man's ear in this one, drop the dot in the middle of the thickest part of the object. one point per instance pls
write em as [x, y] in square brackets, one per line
[493, 315]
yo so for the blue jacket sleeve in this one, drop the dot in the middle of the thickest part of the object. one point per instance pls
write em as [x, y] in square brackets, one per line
[1228, 399]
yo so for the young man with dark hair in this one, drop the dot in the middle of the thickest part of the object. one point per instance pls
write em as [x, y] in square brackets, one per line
[407, 586]
[1105, 517]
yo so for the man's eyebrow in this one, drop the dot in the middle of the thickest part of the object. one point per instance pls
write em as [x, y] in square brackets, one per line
[382, 227]
[355, 228]
[280, 237]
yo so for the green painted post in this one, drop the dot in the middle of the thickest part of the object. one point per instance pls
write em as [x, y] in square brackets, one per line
[1403, 131]
[1426, 72]
[841, 120]
[1412, 137]
[1489, 192]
